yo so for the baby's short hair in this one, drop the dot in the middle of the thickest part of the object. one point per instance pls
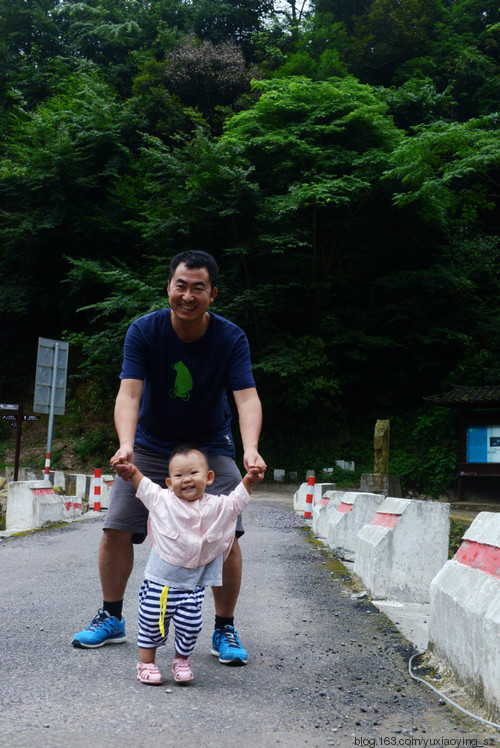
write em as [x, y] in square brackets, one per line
[184, 449]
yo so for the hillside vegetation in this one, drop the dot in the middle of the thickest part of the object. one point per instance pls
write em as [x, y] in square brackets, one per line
[341, 162]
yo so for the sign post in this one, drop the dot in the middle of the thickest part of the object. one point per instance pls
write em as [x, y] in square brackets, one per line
[16, 420]
[15, 413]
[50, 384]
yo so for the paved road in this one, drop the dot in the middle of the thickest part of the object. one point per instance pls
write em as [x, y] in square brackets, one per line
[325, 668]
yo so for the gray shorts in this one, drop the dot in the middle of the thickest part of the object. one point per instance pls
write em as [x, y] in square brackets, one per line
[129, 514]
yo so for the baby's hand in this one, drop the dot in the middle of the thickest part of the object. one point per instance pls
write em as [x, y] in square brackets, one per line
[124, 469]
[255, 474]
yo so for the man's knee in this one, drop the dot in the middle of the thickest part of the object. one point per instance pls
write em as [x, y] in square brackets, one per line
[116, 539]
[232, 566]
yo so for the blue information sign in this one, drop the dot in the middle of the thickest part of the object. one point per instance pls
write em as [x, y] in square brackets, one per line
[477, 444]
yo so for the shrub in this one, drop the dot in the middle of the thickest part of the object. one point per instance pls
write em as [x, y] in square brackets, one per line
[424, 451]
[97, 445]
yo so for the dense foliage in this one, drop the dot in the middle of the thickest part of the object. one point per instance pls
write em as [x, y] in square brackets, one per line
[340, 160]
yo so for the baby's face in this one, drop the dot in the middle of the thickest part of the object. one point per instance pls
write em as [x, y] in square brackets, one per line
[189, 476]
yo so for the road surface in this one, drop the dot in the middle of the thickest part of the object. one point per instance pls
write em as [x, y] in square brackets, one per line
[325, 668]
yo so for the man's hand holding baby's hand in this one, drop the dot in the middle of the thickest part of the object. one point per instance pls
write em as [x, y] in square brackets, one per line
[124, 469]
[255, 474]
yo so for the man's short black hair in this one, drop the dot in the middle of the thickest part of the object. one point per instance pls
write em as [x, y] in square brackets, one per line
[184, 449]
[195, 258]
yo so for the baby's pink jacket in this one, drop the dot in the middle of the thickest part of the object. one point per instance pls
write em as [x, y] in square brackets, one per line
[191, 533]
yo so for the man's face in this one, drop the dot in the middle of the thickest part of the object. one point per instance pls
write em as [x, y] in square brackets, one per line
[190, 293]
[189, 475]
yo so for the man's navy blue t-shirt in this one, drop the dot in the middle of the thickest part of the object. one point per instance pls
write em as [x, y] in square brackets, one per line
[184, 399]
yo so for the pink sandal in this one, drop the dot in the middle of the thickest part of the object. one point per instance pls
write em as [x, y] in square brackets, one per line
[148, 673]
[181, 670]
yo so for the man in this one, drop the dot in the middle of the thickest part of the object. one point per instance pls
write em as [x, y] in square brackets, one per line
[178, 364]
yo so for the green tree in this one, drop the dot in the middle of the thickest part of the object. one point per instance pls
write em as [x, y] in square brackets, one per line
[317, 149]
[28, 40]
[160, 111]
[451, 170]
[416, 102]
[58, 174]
[390, 33]
[196, 188]
[343, 11]
[125, 295]
[475, 257]
[229, 20]
[474, 83]
[287, 196]
[295, 187]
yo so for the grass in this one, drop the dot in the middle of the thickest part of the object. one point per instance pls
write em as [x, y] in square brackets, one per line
[458, 527]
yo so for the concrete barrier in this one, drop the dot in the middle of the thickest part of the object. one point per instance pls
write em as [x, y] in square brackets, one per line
[464, 624]
[320, 512]
[299, 497]
[402, 549]
[78, 484]
[32, 504]
[320, 489]
[345, 465]
[106, 486]
[58, 479]
[354, 511]
[28, 473]
[72, 507]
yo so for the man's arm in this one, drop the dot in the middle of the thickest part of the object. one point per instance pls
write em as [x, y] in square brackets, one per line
[126, 415]
[250, 420]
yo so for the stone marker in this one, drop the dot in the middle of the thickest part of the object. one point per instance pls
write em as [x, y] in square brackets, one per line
[380, 481]
[381, 442]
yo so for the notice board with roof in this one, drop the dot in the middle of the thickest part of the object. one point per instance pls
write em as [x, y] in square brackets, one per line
[478, 438]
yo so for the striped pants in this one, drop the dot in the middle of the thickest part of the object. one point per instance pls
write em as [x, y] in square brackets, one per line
[183, 607]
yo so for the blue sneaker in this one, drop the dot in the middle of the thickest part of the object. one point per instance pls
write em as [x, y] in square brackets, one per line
[104, 629]
[226, 646]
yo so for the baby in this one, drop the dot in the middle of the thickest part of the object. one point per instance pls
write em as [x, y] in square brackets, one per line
[191, 533]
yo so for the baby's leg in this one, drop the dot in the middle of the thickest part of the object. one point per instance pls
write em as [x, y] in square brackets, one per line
[150, 636]
[188, 623]
[147, 655]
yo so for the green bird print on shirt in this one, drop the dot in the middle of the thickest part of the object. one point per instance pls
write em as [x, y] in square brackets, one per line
[183, 382]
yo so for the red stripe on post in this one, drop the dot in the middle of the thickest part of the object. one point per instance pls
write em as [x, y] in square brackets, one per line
[309, 497]
[381, 519]
[97, 490]
[479, 556]
[47, 463]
